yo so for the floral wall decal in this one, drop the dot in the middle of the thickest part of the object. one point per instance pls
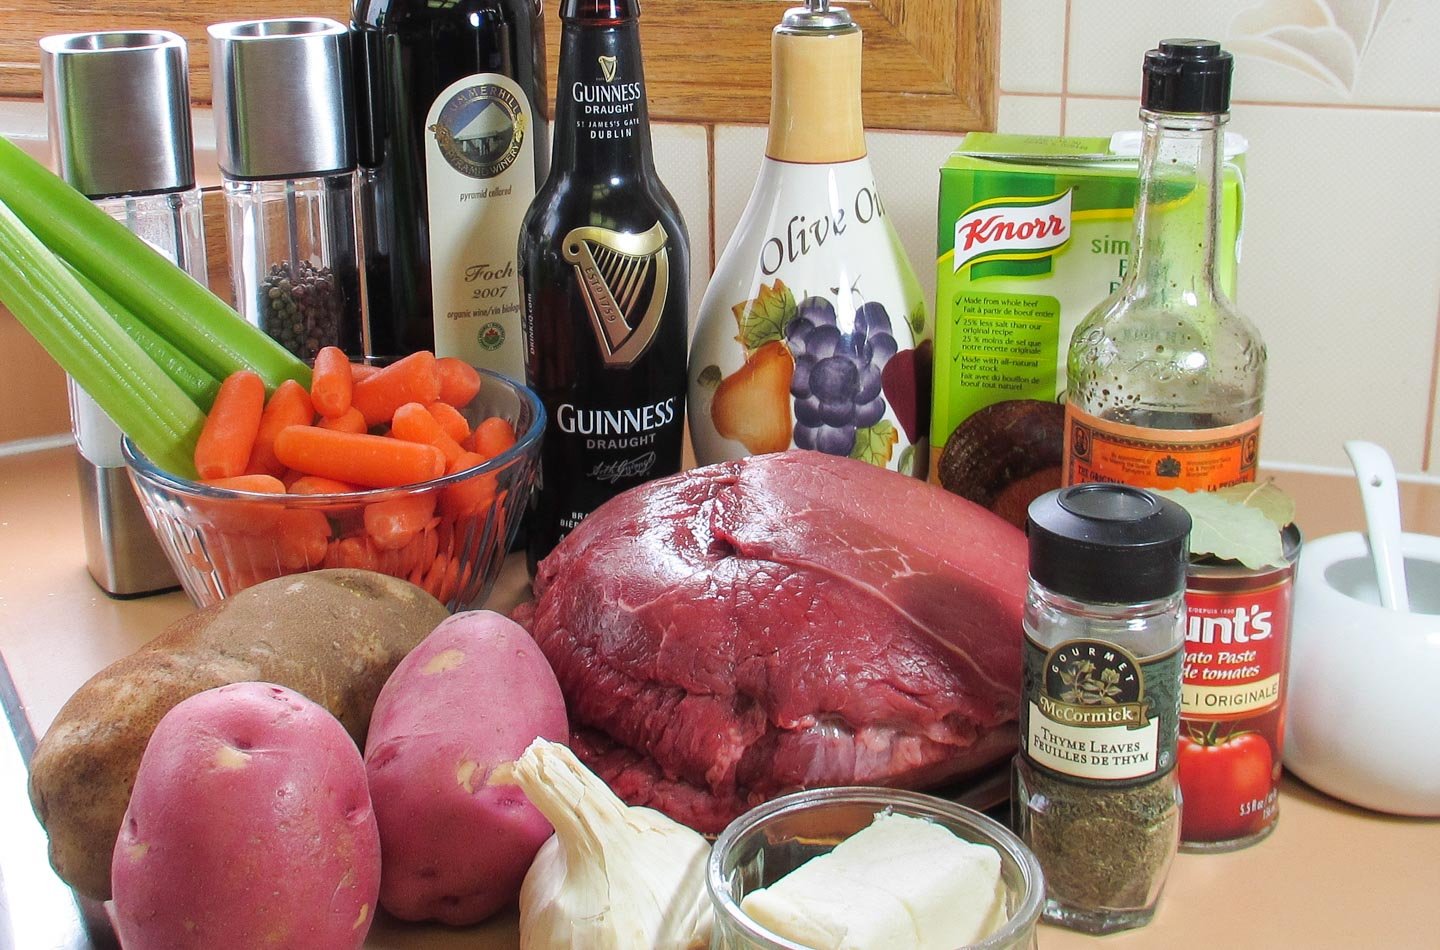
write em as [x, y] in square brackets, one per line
[1324, 39]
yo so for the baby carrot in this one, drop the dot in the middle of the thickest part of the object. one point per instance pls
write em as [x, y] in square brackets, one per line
[351, 552]
[302, 538]
[395, 523]
[450, 420]
[412, 379]
[373, 461]
[492, 436]
[359, 371]
[459, 381]
[420, 550]
[223, 448]
[413, 423]
[470, 495]
[315, 485]
[289, 406]
[233, 519]
[439, 576]
[252, 481]
[331, 382]
[350, 421]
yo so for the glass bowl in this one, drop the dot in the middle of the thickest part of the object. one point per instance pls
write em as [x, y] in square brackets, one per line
[221, 541]
[771, 840]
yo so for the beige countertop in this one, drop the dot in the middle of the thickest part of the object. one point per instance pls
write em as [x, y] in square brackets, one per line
[1330, 876]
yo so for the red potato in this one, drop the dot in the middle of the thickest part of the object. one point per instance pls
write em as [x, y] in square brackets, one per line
[471, 696]
[249, 826]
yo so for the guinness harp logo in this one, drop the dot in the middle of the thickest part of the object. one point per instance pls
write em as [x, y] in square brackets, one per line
[607, 67]
[624, 279]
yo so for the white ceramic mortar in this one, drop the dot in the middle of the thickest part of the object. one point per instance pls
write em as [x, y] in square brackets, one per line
[1364, 685]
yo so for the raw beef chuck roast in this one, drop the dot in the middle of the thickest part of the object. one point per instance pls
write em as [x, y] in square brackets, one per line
[784, 621]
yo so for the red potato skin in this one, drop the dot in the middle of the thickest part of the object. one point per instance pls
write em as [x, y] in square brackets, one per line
[471, 696]
[249, 827]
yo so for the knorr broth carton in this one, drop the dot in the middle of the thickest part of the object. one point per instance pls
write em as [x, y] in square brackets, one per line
[1034, 231]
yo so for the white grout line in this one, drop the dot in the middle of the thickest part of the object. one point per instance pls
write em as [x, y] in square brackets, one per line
[38, 444]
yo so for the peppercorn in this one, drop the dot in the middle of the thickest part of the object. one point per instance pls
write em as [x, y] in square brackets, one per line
[302, 309]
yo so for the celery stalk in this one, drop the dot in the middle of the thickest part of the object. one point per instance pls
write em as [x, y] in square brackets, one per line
[197, 384]
[139, 278]
[74, 329]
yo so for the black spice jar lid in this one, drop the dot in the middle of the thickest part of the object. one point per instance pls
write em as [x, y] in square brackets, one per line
[1108, 544]
[1187, 76]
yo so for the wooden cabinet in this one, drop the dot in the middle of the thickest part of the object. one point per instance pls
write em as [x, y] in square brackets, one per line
[929, 64]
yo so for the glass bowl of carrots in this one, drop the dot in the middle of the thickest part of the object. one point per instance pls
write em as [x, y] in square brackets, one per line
[420, 470]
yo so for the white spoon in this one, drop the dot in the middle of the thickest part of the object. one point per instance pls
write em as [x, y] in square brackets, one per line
[1381, 498]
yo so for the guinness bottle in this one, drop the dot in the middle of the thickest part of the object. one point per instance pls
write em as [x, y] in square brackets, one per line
[604, 264]
[451, 149]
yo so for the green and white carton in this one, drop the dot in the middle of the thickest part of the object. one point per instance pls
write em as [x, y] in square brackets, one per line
[1034, 231]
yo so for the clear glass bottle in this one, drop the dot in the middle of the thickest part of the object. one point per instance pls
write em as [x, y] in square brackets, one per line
[1096, 794]
[118, 110]
[813, 330]
[284, 140]
[1166, 378]
[604, 268]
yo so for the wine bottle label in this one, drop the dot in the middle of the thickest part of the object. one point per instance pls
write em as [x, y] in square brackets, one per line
[1102, 450]
[1093, 711]
[480, 176]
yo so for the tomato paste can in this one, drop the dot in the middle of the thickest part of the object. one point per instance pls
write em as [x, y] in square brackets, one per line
[1232, 700]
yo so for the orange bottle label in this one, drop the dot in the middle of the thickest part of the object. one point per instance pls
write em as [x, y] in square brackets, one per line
[1100, 450]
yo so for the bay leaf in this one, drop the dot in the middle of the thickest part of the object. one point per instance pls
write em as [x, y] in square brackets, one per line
[1228, 529]
[1266, 496]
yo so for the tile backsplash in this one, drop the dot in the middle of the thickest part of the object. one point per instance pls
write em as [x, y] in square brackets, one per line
[1341, 258]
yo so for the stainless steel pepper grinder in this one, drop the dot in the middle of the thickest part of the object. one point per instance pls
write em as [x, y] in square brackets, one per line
[284, 139]
[118, 104]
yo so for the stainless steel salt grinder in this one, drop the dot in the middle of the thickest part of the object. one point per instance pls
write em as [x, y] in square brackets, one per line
[118, 104]
[284, 134]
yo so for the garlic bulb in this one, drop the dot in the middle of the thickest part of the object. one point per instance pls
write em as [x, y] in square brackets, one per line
[612, 876]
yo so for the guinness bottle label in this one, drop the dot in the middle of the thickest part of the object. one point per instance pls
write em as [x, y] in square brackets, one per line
[624, 279]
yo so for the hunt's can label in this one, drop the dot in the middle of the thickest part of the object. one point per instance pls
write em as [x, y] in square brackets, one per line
[1232, 699]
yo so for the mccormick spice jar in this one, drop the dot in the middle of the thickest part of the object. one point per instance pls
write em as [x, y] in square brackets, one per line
[1096, 796]
[1232, 703]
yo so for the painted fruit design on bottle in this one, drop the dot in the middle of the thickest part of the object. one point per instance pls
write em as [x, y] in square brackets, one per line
[819, 378]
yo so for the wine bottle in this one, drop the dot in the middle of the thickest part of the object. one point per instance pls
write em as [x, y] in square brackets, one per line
[604, 263]
[451, 148]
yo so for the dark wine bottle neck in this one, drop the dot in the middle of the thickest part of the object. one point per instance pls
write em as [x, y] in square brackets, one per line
[602, 123]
